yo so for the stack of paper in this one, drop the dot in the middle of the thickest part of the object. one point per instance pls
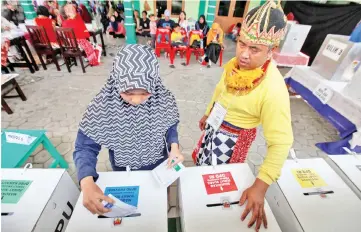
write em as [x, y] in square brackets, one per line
[119, 208]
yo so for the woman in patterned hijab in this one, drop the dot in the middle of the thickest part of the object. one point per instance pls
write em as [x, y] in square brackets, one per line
[134, 116]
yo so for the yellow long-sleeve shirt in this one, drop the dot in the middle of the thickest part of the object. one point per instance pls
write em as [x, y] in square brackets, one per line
[268, 104]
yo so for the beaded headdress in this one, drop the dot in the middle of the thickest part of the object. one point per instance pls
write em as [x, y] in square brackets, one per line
[265, 24]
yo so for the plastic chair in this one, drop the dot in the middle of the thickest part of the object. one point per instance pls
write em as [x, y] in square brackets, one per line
[42, 45]
[182, 50]
[163, 43]
[198, 52]
[14, 155]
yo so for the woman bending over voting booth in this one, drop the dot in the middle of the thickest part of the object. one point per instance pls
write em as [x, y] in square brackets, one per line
[134, 116]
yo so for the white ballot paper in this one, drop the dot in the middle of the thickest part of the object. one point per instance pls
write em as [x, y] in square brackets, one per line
[119, 208]
[166, 176]
[12, 137]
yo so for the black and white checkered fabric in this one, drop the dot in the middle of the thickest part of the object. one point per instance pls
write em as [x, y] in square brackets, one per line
[134, 133]
[220, 143]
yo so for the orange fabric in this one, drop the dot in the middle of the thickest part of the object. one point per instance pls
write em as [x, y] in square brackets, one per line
[48, 25]
[211, 35]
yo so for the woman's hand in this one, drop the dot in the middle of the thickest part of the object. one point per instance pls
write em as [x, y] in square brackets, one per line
[93, 196]
[175, 156]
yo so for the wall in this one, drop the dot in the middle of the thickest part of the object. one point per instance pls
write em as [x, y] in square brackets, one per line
[192, 7]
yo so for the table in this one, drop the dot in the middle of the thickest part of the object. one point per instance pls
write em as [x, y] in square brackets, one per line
[341, 110]
[193, 198]
[152, 204]
[348, 167]
[287, 60]
[8, 84]
[298, 212]
[14, 155]
[94, 32]
[17, 38]
[46, 205]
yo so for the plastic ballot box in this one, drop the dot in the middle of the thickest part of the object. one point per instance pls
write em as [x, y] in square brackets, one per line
[137, 188]
[208, 199]
[310, 196]
[348, 167]
[36, 200]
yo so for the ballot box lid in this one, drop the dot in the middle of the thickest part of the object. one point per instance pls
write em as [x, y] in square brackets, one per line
[152, 204]
[194, 199]
[351, 166]
[337, 211]
[41, 183]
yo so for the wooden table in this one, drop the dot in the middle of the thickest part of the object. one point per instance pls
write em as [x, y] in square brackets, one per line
[8, 84]
[20, 41]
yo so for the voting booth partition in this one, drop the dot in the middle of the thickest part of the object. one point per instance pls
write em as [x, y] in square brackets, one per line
[310, 196]
[208, 199]
[348, 167]
[150, 198]
[36, 200]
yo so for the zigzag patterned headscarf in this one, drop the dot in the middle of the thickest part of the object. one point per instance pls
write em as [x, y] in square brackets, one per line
[134, 133]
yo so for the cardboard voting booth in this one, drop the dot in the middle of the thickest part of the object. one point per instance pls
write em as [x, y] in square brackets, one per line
[36, 200]
[336, 58]
[150, 198]
[310, 196]
[208, 196]
[294, 39]
[348, 167]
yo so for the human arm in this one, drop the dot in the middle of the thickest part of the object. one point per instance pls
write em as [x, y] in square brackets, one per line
[85, 158]
[276, 121]
[173, 144]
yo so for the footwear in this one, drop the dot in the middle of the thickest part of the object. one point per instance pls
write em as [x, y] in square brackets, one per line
[208, 66]
[171, 66]
[200, 60]
[184, 64]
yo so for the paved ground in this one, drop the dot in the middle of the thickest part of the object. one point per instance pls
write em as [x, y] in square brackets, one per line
[57, 100]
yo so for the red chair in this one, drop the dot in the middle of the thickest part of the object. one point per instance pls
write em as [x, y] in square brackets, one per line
[163, 43]
[198, 52]
[182, 50]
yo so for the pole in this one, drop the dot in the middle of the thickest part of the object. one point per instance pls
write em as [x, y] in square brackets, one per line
[129, 24]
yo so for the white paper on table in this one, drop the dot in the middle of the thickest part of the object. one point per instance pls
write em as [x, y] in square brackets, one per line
[13, 137]
[334, 49]
[166, 176]
[119, 208]
[323, 93]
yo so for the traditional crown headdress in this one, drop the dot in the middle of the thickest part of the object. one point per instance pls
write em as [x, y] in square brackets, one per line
[265, 24]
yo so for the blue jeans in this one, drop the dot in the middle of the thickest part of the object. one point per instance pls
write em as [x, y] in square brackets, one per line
[160, 36]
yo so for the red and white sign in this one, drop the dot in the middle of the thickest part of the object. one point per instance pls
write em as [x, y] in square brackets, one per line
[219, 183]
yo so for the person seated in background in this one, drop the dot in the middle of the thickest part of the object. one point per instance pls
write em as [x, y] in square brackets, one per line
[165, 23]
[85, 15]
[214, 45]
[201, 25]
[52, 8]
[75, 22]
[10, 52]
[177, 38]
[145, 25]
[235, 32]
[153, 29]
[116, 28]
[183, 22]
[48, 24]
[136, 19]
[13, 12]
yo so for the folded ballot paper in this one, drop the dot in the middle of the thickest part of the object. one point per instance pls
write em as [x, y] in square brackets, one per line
[119, 208]
[166, 176]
